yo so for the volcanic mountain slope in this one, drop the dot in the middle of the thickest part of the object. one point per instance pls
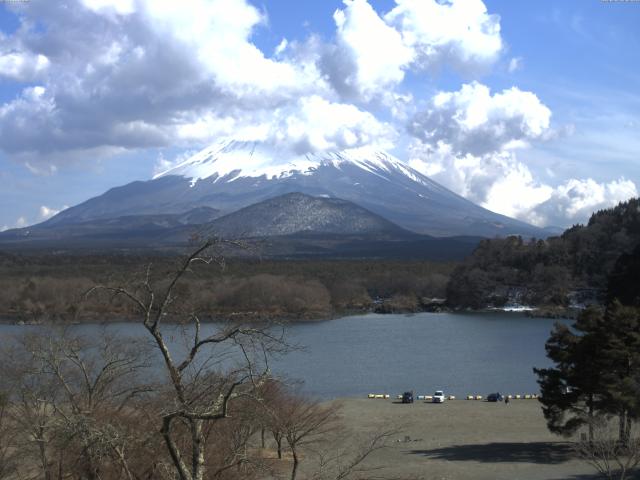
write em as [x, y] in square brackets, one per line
[293, 225]
[232, 175]
[127, 230]
[296, 213]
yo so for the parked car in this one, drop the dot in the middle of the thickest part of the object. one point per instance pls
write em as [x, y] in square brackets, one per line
[494, 397]
[438, 397]
[407, 397]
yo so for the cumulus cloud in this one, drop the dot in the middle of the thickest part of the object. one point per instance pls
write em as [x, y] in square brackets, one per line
[373, 52]
[22, 66]
[502, 183]
[460, 33]
[369, 55]
[156, 73]
[473, 121]
[142, 72]
[467, 140]
[575, 200]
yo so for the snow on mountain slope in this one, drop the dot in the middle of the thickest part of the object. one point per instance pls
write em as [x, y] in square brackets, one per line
[229, 160]
[231, 175]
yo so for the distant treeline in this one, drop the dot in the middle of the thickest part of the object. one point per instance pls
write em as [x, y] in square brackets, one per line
[545, 272]
[50, 287]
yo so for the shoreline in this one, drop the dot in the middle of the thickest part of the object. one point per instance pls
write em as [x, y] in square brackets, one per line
[256, 317]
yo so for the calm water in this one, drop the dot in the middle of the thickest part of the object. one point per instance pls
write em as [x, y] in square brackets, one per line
[460, 353]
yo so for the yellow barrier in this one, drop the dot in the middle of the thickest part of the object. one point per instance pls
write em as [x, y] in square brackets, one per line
[527, 397]
[428, 397]
[518, 397]
[451, 397]
[470, 397]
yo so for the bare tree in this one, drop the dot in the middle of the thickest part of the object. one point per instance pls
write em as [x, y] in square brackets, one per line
[343, 463]
[612, 458]
[201, 386]
[303, 422]
[68, 400]
[8, 454]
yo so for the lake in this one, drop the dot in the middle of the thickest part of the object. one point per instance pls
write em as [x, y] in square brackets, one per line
[461, 353]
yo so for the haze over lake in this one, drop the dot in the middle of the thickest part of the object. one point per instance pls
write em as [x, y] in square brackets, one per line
[462, 353]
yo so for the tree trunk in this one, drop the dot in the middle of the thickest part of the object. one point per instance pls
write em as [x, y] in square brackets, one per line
[296, 462]
[43, 457]
[197, 439]
[278, 438]
[591, 419]
[624, 424]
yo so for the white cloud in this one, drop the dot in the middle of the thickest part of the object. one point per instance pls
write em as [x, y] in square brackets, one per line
[467, 139]
[154, 73]
[121, 7]
[163, 164]
[281, 47]
[473, 121]
[503, 184]
[19, 64]
[21, 222]
[370, 55]
[316, 124]
[48, 212]
[515, 64]
[575, 200]
[460, 33]
[22, 66]
[146, 74]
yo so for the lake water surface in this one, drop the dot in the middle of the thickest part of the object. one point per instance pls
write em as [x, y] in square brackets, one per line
[470, 353]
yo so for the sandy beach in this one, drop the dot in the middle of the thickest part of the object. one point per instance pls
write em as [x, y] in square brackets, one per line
[464, 439]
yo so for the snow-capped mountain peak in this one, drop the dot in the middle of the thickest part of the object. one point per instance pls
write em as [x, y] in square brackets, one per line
[232, 175]
[229, 160]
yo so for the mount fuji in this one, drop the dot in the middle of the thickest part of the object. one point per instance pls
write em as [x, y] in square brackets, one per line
[344, 200]
[231, 175]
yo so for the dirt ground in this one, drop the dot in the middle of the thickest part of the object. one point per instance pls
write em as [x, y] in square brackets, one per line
[463, 439]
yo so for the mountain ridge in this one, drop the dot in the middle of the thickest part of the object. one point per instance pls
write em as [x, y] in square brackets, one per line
[232, 175]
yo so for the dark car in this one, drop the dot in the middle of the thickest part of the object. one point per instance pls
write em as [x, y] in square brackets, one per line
[494, 397]
[407, 397]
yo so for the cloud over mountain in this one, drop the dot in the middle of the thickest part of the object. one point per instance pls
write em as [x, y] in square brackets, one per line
[468, 141]
[98, 78]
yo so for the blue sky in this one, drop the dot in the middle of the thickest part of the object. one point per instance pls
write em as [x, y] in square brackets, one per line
[531, 109]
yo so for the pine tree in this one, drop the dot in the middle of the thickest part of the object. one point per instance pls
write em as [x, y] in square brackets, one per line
[621, 356]
[571, 393]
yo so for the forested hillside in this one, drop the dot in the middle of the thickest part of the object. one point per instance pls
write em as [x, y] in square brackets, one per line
[548, 272]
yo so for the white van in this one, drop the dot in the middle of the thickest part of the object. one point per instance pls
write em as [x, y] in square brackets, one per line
[438, 397]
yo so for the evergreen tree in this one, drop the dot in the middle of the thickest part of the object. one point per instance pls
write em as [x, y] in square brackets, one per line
[621, 358]
[571, 392]
[596, 373]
